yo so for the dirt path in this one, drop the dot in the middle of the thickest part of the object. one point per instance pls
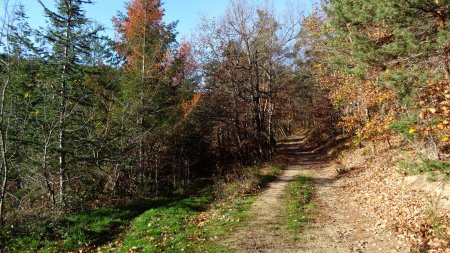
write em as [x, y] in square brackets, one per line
[339, 225]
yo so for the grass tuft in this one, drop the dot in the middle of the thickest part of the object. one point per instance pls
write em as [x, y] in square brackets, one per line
[299, 203]
[424, 166]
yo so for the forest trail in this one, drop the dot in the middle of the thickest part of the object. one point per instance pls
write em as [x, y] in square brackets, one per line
[338, 225]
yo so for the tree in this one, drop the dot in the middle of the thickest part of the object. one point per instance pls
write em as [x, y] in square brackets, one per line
[6, 64]
[385, 53]
[246, 55]
[160, 75]
[69, 37]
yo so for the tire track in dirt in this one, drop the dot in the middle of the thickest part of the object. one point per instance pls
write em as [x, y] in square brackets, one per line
[338, 226]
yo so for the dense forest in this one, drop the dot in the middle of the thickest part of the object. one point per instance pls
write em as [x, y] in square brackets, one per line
[88, 122]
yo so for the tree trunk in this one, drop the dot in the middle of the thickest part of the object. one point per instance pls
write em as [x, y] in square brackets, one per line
[62, 119]
[141, 119]
[50, 186]
[4, 160]
[5, 167]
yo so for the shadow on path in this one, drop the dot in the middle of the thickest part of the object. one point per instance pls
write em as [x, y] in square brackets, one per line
[267, 231]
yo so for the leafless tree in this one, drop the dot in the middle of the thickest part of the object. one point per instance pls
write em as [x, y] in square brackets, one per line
[6, 22]
[254, 47]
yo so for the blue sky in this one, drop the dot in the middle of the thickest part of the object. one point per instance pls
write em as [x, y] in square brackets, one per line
[187, 12]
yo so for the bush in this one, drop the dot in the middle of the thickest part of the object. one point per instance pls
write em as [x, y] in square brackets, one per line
[425, 165]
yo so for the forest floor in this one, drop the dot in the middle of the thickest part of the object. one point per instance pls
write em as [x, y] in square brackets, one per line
[358, 202]
[338, 223]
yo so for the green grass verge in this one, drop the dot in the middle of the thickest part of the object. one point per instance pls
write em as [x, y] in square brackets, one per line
[190, 224]
[74, 231]
[168, 224]
[185, 226]
[299, 203]
[165, 229]
[181, 229]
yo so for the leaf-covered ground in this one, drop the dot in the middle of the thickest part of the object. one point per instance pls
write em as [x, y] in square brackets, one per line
[360, 202]
[415, 208]
[363, 203]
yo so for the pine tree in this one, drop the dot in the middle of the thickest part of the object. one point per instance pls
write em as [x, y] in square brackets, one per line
[146, 43]
[69, 38]
[388, 52]
[14, 39]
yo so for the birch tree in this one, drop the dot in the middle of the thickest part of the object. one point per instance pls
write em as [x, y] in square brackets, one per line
[6, 64]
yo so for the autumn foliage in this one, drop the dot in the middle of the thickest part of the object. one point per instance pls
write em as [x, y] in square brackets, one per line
[381, 71]
[143, 18]
[188, 106]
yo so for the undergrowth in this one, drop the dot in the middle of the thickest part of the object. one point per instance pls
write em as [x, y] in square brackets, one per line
[198, 230]
[75, 231]
[440, 224]
[424, 166]
[167, 224]
[248, 181]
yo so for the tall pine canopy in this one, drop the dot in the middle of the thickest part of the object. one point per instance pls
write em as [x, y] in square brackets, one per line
[68, 39]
